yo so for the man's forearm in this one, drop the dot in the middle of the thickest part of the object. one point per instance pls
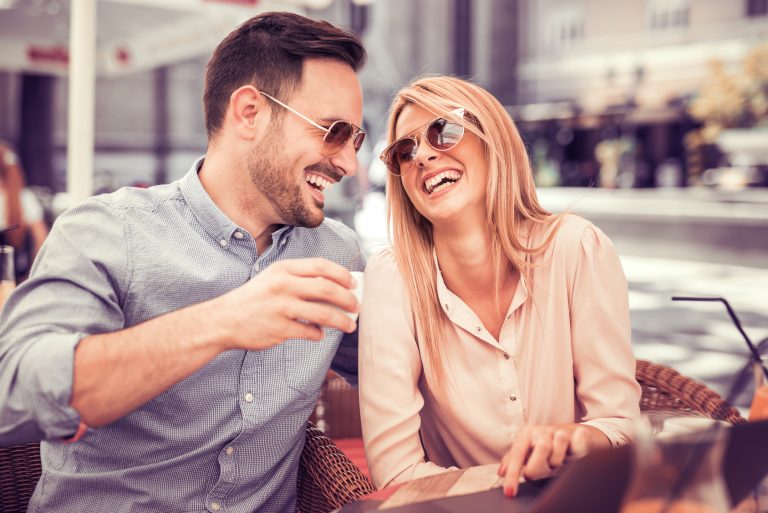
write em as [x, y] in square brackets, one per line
[115, 373]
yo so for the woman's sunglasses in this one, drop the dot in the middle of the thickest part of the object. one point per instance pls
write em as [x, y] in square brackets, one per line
[441, 134]
[336, 136]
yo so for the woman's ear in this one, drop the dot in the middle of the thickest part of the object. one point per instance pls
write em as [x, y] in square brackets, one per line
[247, 109]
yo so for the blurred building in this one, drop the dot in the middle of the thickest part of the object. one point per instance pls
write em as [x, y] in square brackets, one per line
[599, 88]
[624, 72]
[576, 73]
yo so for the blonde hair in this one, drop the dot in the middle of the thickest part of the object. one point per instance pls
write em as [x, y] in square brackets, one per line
[511, 201]
[11, 185]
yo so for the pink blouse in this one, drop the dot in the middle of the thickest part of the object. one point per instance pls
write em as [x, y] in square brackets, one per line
[563, 355]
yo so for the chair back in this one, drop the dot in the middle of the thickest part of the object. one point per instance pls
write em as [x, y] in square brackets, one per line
[327, 478]
[666, 390]
[19, 472]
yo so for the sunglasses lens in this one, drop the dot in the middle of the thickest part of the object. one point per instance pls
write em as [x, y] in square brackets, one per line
[358, 141]
[443, 135]
[401, 154]
[338, 134]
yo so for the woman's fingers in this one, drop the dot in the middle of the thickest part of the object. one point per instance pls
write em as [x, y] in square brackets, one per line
[537, 466]
[538, 450]
[560, 443]
[580, 442]
[515, 459]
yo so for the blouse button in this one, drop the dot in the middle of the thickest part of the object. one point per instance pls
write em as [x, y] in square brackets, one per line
[506, 356]
[479, 329]
[513, 398]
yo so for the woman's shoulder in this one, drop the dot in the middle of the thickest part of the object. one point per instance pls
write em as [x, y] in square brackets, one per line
[383, 260]
[572, 234]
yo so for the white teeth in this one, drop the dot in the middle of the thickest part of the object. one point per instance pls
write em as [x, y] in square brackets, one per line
[431, 184]
[319, 181]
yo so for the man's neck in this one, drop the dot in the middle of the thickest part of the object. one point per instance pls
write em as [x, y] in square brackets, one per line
[227, 183]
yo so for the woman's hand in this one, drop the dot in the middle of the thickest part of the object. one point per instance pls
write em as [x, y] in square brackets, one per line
[538, 450]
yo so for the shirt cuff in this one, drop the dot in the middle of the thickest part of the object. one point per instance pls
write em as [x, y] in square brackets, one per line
[46, 372]
[614, 436]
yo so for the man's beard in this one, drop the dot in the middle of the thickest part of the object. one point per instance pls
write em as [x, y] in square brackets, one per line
[272, 174]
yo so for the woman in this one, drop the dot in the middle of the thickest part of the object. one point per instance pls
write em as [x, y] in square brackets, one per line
[492, 330]
[20, 213]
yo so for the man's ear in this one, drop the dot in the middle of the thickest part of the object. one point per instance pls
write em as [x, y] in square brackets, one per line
[247, 108]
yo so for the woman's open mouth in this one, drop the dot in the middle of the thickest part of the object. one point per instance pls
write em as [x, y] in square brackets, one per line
[441, 181]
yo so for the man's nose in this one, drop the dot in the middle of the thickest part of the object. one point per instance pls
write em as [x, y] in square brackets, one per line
[346, 159]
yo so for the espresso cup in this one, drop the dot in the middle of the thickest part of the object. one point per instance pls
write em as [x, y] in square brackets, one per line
[357, 291]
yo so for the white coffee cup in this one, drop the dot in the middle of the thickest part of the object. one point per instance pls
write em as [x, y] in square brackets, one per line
[357, 291]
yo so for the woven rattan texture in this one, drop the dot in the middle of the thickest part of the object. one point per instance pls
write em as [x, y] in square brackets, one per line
[327, 478]
[666, 390]
[19, 472]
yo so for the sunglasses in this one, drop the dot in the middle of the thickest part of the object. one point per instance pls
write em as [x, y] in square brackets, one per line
[336, 136]
[441, 134]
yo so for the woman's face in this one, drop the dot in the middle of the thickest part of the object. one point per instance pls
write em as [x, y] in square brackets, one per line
[446, 187]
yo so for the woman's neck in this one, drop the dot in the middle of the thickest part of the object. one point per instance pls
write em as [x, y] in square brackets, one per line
[466, 261]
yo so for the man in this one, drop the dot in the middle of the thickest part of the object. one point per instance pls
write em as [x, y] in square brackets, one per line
[179, 336]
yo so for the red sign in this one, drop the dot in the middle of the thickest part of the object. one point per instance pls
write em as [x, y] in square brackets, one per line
[48, 54]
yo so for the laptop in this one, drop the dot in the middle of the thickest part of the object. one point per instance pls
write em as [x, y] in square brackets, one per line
[596, 482]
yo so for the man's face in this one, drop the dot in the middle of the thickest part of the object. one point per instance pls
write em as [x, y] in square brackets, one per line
[286, 165]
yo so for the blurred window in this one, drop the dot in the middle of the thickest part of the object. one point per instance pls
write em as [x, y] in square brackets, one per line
[757, 8]
[667, 14]
[565, 27]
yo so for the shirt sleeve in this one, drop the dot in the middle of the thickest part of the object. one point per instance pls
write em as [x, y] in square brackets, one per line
[604, 365]
[75, 290]
[390, 368]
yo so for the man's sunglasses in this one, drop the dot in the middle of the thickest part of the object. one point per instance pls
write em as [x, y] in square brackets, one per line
[336, 136]
[441, 134]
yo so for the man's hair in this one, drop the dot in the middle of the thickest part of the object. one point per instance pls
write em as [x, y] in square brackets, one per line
[268, 51]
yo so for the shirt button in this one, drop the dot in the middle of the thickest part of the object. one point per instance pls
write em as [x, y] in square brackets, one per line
[248, 397]
[223, 243]
[479, 329]
[215, 506]
[513, 398]
[506, 356]
[238, 235]
[230, 450]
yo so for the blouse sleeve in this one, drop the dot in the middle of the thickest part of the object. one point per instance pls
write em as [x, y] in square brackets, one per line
[604, 365]
[390, 368]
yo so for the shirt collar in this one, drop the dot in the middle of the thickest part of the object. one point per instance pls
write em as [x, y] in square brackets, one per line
[448, 299]
[214, 221]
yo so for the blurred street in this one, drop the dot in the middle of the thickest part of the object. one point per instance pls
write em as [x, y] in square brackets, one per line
[673, 242]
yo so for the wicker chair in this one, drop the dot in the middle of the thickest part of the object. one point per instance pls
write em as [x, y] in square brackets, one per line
[327, 478]
[666, 390]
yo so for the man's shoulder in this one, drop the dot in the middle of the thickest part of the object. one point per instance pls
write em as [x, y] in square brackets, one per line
[331, 231]
[128, 198]
[335, 241]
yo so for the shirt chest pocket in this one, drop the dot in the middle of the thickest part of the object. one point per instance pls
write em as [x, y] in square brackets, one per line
[306, 362]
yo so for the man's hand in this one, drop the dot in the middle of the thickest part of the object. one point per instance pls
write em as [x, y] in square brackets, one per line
[539, 450]
[289, 299]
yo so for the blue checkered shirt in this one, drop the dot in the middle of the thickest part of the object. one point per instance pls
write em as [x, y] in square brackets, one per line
[226, 439]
